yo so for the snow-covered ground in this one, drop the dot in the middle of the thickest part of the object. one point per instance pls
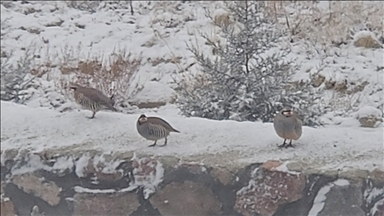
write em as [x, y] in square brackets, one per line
[328, 148]
[158, 32]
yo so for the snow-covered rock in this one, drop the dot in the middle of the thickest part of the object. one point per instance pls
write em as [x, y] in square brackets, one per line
[369, 116]
[366, 39]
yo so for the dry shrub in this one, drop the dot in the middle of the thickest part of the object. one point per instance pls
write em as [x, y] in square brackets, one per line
[113, 76]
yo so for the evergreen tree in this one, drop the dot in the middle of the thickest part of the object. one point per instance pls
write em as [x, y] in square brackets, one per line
[249, 77]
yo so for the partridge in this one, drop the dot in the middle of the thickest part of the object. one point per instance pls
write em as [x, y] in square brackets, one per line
[92, 99]
[288, 126]
[154, 128]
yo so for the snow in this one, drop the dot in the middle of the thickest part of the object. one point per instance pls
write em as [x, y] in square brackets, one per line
[82, 164]
[319, 201]
[109, 31]
[330, 147]
[283, 168]
[79, 189]
[341, 182]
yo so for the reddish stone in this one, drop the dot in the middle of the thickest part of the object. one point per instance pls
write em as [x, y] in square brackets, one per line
[379, 211]
[188, 198]
[268, 190]
[7, 207]
[105, 204]
[271, 164]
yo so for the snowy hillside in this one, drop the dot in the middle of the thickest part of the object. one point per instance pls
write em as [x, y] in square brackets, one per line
[230, 142]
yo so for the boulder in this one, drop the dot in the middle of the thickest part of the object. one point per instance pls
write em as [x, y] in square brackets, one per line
[369, 116]
[366, 39]
[105, 204]
[268, 189]
[46, 190]
[188, 198]
[349, 199]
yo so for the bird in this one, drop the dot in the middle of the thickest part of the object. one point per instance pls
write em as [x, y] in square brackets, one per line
[288, 126]
[154, 128]
[92, 99]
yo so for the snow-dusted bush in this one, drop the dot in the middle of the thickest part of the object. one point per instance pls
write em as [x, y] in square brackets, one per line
[248, 78]
[16, 78]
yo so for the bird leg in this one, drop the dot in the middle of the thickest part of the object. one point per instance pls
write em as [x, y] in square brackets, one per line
[153, 144]
[93, 115]
[165, 143]
[282, 145]
[289, 145]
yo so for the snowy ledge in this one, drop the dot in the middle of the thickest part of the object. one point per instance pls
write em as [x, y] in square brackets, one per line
[63, 163]
[226, 144]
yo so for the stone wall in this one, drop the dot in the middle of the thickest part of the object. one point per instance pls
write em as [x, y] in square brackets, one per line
[103, 185]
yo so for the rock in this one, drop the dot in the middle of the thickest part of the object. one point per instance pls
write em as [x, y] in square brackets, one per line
[150, 105]
[222, 20]
[188, 198]
[271, 164]
[222, 175]
[373, 194]
[269, 189]
[330, 84]
[341, 86]
[31, 184]
[7, 207]
[377, 175]
[147, 173]
[194, 168]
[369, 116]
[366, 39]
[56, 23]
[349, 199]
[105, 204]
[96, 170]
[378, 208]
[150, 97]
[318, 80]
[369, 121]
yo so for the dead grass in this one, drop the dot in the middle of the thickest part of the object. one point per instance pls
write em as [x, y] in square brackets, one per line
[112, 76]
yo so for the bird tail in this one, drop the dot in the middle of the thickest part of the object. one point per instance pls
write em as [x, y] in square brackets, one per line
[174, 130]
[73, 85]
[113, 109]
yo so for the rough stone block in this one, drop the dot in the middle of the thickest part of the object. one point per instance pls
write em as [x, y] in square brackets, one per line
[188, 198]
